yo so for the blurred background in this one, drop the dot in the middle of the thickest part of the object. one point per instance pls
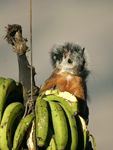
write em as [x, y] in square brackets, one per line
[89, 23]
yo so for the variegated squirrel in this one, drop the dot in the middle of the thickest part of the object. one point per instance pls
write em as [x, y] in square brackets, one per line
[71, 69]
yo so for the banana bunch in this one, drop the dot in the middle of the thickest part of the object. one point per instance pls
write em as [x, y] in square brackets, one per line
[55, 125]
[12, 126]
[58, 126]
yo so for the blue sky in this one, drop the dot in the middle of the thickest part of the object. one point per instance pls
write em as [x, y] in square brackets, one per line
[89, 23]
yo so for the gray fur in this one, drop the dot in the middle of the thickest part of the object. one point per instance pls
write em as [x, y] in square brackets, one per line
[76, 53]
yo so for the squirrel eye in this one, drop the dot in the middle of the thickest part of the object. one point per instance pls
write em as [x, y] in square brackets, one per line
[69, 61]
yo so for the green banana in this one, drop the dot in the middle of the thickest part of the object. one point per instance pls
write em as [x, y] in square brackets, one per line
[83, 133]
[6, 87]
[10, 116]
[71, 106]
[59, 125]
[50, 131]
[42, 120]
[21, 130]
[52, 145]
[73, 128]
[1, 80]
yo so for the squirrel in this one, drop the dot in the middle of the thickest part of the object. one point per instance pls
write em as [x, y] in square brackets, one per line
[71, 69]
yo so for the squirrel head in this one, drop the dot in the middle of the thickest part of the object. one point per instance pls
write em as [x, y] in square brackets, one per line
[71, 58]
[72, 62]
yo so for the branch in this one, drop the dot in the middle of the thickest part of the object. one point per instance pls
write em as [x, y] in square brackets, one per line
[14, 37]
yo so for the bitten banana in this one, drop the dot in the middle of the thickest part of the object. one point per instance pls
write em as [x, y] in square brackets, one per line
[21, 130]
[47, 92]
[11, 113]
[73, 128]
[42, 120]
[6, 87]
[59, 125]
[1, 80]
[71, 106]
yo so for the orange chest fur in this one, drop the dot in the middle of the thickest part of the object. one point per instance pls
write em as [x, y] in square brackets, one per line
[68, 82]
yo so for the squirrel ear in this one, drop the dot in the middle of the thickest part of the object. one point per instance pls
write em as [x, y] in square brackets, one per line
[83, 50]
[65, 52]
